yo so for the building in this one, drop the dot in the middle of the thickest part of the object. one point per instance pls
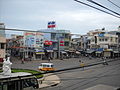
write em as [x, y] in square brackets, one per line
[2, 42]
[60, 41]
[2, 29]
[34, 45]
[117, 49]
[27, 46]
[101, 40]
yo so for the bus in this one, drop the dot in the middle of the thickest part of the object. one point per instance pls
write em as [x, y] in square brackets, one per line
[18, 81]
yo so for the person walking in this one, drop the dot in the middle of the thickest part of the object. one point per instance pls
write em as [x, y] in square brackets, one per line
[22, 61]
[104, 61]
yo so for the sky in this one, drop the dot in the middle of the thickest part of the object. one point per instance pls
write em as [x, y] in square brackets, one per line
[68, 14]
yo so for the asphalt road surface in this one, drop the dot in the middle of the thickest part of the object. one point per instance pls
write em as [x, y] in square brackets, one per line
[80, 79]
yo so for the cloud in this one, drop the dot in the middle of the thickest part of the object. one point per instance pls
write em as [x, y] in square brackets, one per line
[34, 14]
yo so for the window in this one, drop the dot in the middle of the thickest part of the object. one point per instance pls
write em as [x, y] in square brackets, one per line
[2, 46]
[66, 43]
[53, 36]
[111, 39]
[102, 39]
[116, 40]
[106, 39]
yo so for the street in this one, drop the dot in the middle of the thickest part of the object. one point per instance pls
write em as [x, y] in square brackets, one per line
[79, 79]
[58, 64]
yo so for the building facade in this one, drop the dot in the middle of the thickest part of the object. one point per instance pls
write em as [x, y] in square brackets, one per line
[2, 42]
[101, 41]
[60, 41]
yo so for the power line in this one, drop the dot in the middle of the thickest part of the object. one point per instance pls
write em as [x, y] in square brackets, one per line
[114, 4]
[28, 30]
[96, 8]
[103, 6]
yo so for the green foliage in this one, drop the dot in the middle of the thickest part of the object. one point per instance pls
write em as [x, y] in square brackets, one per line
[26, 70]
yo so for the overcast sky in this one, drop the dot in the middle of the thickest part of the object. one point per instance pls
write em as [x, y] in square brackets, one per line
[68, 14]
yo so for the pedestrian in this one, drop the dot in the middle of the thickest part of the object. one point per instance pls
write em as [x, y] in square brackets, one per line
[49, 59]
[22, 61]
[90, 57]
[82, 64]
[80, 61]
[104, 61]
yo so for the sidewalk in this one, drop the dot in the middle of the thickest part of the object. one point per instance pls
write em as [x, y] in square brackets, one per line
[49, 80]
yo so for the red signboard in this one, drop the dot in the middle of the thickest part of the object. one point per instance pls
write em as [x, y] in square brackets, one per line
[61, 43]
[48, 42]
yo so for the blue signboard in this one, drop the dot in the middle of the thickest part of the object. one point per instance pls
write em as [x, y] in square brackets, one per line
[101, 35]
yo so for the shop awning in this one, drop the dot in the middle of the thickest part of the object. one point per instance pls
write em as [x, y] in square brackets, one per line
[108, 50]
[115, 51]
[49, 50]
[40, 52]
[71, 51]
[63, 52]
[98, 52]
[90, 51]
[77, 52]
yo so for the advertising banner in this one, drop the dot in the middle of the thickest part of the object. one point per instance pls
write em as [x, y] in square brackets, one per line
[33, 39]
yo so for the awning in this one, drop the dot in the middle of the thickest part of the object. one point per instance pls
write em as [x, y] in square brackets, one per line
[49, 50]
[40, 52]
[90, 51]
[37, 51]
[115, 51]
[63, 52]
[98, 52]
[77, 52]
[71, 51]
[108, 50]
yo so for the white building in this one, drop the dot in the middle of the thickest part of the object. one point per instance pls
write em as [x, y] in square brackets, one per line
[34, 43]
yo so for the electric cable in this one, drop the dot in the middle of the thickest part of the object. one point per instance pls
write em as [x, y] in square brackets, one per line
[114, 4]
[97, 8]
[103, 6]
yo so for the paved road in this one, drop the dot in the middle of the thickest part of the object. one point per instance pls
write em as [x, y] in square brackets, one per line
[59, 64]
[97, 75]
[79, 79]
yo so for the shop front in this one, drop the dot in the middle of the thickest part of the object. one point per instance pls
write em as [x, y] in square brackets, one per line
[39, 54]
[108, 53]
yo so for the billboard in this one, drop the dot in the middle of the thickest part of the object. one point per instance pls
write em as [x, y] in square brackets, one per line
[33, 39]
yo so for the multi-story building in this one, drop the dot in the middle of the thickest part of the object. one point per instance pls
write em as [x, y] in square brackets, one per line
[26, 46]
[118, 34]
[14, 45]
[60, 41]
[34, 45]
[2, 48]
[116, 50]
[2, 42]
[101, 40]
[2, 29]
